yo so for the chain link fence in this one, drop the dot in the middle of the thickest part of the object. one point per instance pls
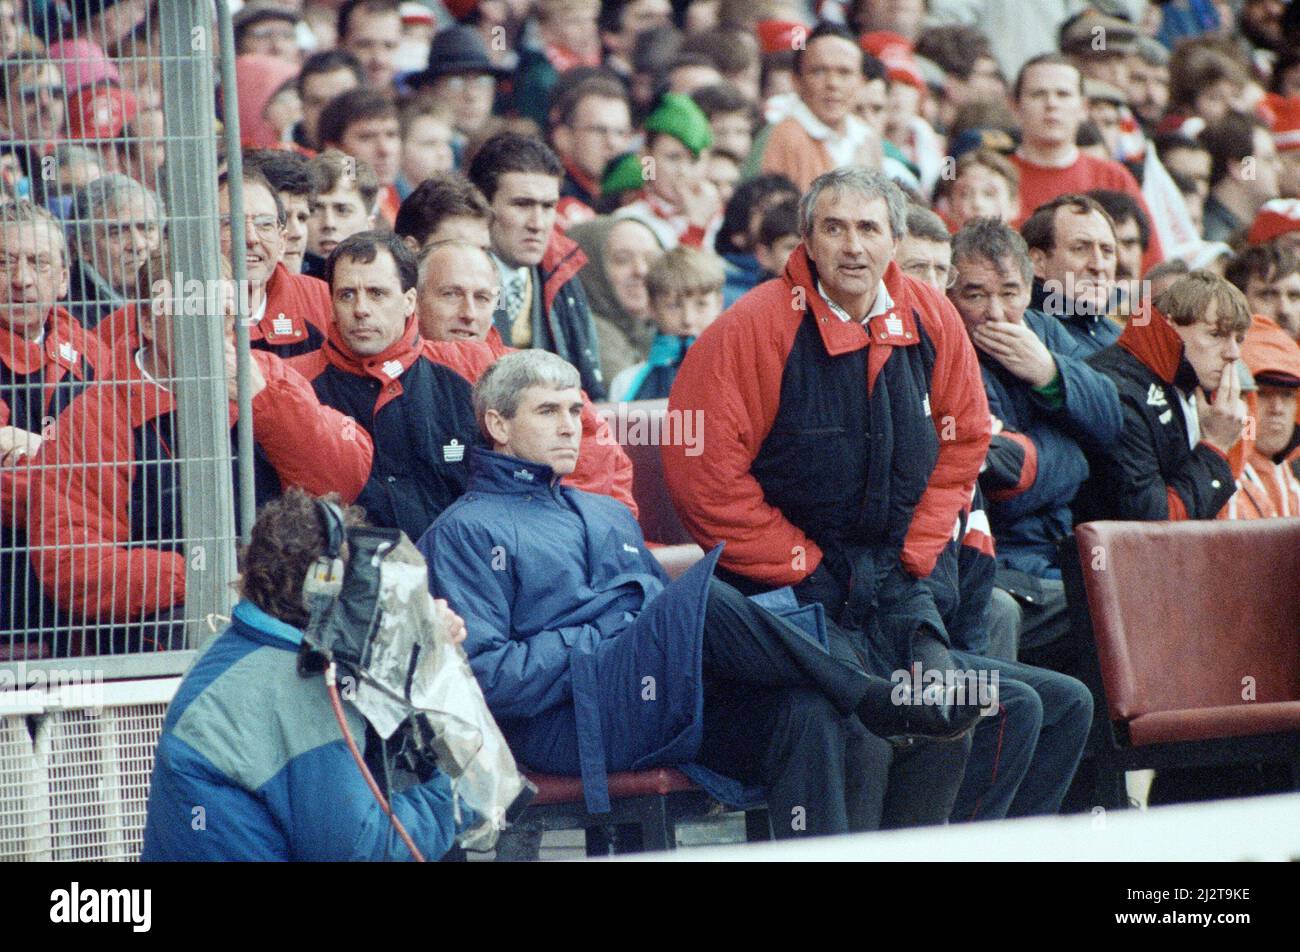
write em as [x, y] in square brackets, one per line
[118, 513]
[119, 467]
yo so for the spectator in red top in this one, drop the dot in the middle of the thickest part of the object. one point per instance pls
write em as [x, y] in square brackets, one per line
[288, 313]
[105, 536]
[1268, 486]
[1050, 105]
[46, 359]
[364, 124]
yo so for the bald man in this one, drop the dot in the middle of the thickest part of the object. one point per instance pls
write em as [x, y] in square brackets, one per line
[458, 290]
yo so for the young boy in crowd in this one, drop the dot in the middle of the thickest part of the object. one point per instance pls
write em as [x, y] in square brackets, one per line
[984, 185]
[685, 287]
[778, 235]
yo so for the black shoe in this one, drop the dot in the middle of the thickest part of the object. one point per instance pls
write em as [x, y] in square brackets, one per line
[891, 709]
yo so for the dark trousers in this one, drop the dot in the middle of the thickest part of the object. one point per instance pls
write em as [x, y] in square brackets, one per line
[1025, 756]
[779, 713]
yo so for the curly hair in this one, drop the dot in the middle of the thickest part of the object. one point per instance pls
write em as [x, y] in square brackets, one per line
[287, 538]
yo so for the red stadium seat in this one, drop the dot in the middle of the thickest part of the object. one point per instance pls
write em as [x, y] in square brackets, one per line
[1197, 633]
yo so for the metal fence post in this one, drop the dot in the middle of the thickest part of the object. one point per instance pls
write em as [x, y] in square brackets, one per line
[189, 44]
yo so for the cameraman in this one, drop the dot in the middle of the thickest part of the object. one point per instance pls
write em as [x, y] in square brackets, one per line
[251, 764]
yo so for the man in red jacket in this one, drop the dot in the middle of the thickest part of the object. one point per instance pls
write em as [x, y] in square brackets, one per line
[107, 533]
[844, 424]
[46, 359]
[288, 313]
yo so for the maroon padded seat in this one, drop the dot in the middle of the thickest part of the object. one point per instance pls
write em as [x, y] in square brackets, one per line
[1183, 613]
[629, 783]
[658, 518]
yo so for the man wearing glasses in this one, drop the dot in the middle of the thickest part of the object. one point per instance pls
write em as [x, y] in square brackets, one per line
[593, 126]
[925, 252]
[288, 314]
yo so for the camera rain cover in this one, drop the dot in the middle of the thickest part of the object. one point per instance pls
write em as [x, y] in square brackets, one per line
[409, 670]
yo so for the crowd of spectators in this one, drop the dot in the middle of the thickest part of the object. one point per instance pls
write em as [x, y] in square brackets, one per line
[703, 200]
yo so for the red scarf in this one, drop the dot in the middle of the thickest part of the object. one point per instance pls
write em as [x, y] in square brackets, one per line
[387, 367]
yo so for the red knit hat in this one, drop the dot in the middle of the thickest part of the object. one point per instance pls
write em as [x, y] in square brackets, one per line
[99, 112]
[1277, 216]
[895, 51]
[775, 36]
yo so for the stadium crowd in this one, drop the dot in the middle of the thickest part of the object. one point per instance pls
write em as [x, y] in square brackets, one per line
[941, 279]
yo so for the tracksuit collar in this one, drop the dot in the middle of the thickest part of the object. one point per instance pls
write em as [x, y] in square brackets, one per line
[493, 472]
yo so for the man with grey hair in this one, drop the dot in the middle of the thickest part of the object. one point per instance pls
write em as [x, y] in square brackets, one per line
[46, 360]
[1049, 407]
[116, 224]
[844, 426]
[594, 662]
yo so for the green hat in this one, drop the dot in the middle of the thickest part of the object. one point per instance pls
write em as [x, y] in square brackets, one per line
[622, 174]
[679, 117]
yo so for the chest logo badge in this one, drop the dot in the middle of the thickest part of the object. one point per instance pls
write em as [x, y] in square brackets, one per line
[1156, 397]
[393, 368]
[894, 324]
[282, 325]
[453, 452]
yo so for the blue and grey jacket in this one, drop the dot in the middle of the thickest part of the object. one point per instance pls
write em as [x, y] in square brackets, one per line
[251, 764]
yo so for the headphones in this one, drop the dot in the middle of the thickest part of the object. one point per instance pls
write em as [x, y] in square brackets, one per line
[331, 517]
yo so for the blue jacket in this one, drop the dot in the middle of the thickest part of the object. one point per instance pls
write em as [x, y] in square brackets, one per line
[743, 273]
[548, 580]
[1090, 332]
[1038, 463]
[251, 764]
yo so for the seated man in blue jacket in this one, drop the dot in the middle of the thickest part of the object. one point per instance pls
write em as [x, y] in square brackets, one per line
[1050, 408]
[593, 662]
[252, 764]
